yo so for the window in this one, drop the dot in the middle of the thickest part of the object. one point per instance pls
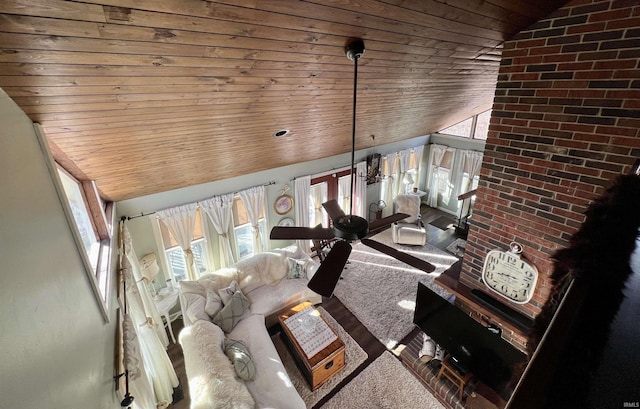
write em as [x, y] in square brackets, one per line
[443, 173]
[92, 230]
[475, 127]
[176, 262]
[244, 231]
[329, 187]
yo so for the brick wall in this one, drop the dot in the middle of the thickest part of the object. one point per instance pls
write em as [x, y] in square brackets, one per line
[565, 122]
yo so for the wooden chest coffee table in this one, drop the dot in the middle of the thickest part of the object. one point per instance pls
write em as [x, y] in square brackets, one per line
[325, 363]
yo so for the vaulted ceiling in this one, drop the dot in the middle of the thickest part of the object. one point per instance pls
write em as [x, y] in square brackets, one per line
[145, 96]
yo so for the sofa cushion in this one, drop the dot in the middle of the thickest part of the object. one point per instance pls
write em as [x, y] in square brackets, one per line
[271, 298]
[271, 387]
[195, 307]
[240, 358]
[260, 269]
[211, 376]
[232, 312]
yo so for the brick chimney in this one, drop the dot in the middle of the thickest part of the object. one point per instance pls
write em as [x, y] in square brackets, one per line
[565, 122]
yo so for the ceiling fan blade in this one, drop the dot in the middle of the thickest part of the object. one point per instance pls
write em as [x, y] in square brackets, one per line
[288, 233]
[326, 278]
[399, 255]
[385, 221]
[333, 209]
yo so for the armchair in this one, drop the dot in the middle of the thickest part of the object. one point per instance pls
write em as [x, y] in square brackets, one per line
[410, 230]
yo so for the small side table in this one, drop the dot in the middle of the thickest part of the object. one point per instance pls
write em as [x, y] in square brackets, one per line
[449, 372]
[164, 306]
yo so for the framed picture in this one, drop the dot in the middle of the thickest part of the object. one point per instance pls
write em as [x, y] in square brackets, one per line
[286, 222]
[373, 168]
[283, 204]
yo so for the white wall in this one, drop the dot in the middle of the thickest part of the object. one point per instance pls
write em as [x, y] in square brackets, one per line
[141, 230]
[56, 350]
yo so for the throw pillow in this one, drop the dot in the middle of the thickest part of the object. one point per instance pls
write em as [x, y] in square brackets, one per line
[297, 268]
[240, 358]
[192, 287]
[228, 292]
[232, 312]
[213, 304]
[195, 304]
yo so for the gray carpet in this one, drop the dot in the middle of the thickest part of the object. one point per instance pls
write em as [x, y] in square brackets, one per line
[380, 290]
[385, 384]
[353, 357]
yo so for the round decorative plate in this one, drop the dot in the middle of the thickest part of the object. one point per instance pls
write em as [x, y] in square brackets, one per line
[283, 204]
[286, 222]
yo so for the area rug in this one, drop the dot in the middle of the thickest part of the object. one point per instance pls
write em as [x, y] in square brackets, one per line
[385, 384]
[353, 357]
[381, 291]
[442, 222]
[457, 247]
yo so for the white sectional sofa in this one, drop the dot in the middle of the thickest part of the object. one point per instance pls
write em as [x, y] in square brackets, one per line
[266, 282]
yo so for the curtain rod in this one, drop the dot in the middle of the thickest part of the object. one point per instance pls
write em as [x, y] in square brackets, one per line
[271, 182]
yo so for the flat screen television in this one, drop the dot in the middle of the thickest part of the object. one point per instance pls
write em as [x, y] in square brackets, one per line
[489, 357]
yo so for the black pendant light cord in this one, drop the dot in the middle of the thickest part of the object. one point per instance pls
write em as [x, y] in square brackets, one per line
[353, 130]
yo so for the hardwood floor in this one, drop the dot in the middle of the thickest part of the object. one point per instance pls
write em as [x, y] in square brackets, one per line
[374, 348]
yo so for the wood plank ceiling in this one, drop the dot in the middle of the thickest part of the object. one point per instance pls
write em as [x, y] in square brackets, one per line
[145, 96]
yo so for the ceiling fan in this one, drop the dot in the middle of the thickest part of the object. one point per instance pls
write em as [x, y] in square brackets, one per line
[348, 227]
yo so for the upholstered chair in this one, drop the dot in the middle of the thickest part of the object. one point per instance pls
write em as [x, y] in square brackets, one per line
[410, 230]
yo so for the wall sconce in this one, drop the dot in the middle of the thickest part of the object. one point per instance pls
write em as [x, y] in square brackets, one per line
[149, 270]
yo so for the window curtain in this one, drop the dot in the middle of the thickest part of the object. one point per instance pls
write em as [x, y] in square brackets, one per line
[360, 202]
[155, 360]
[344, 193]
[386, 185]
[403, 163]
[473, 163]
[394, 173]
[181, 223]
[418, 151]
[253, 199]
[220, 209]
[302, 192]
[455, 177]
[318, 195]
[435, 159]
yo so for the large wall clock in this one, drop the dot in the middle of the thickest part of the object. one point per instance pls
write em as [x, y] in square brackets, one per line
[508, 274]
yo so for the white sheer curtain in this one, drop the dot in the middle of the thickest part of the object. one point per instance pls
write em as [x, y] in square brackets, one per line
[344, 193]
[152, 349]
[472, 163]
[386, 185]
[418, 151]
[302, 192]
[219, 209]
[403, 162]
[435, 159]
[394, 173]
[360, 202]
[253, 199]
[318, 195]
[181, 221]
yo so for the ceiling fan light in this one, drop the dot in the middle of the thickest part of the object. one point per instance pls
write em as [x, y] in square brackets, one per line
[350, 227]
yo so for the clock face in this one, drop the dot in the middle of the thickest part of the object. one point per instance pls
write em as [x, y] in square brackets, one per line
[510, 276]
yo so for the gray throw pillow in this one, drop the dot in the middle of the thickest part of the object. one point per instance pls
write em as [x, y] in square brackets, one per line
[242, 362]
[232, 312]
